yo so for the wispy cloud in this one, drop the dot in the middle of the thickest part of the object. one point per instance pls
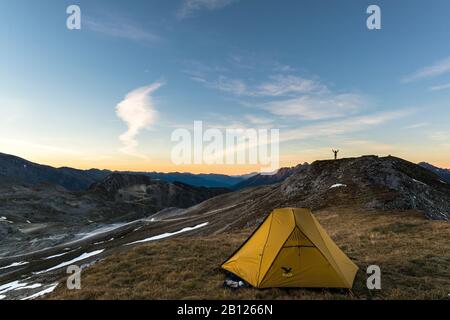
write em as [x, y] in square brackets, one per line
[341, 127]
[282, 85]
[191, 7]
[33, 145]
[117, 27]
[276, 86]
[258, 120]
[283, 94]
[280, 79]
[138, 111]
[251, 61]
[199, 71]
[440, 87]
[437, 69]
[440, 136]
[290, 96]
[372, 146]
[279, 67]
[234, 86]
[418, 125]
[316, 107]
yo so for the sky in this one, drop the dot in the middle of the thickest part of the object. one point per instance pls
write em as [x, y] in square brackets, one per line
[110, 95]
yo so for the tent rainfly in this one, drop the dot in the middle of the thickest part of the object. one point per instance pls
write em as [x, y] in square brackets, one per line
[291, 249]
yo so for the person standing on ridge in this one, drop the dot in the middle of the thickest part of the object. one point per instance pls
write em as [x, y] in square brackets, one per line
[335, 153]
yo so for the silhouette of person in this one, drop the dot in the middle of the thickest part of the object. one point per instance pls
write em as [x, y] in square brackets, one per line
[335, 154]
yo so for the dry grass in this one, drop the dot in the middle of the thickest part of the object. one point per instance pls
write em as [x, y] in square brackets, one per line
[413, 253]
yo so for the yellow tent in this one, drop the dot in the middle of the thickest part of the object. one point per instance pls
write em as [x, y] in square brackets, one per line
[291, 249]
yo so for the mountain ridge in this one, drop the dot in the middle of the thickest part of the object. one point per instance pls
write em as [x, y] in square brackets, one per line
[74, 179]
[442, 172]
[267, 179]
[78, 180]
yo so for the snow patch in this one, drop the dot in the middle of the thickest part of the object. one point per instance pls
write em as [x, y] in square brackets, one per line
[102, 230]
[15, 264]
[338, 185]
[33, 286]
[4, 219]
[68, 263]
[12, 286]
[48, 290]
[2, 297]
[101, 242]
[167, 235]
[55, 256]
[419, 182]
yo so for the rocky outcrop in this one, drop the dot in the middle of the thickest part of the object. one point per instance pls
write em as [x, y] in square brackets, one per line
[382, 183]
[152, 193]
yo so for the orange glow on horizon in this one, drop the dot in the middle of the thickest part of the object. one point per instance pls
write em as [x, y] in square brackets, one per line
[142, 166]
[119, 164]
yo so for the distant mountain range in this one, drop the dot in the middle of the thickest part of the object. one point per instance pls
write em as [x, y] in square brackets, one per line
[78, 180]
[210, 180]
[443, 173]
[33, 173]
[267, 179]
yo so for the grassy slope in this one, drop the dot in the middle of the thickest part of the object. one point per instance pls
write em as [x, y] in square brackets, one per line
[413, 253]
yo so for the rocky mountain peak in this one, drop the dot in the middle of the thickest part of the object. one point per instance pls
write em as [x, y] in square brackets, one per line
[374, 182]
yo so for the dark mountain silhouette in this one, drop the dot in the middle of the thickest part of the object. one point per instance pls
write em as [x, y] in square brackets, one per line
[443, 173]
[78, 180]
[203, 180]
[267, 179]
[33, 173]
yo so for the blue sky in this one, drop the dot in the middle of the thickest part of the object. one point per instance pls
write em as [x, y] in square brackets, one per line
[310, 68]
